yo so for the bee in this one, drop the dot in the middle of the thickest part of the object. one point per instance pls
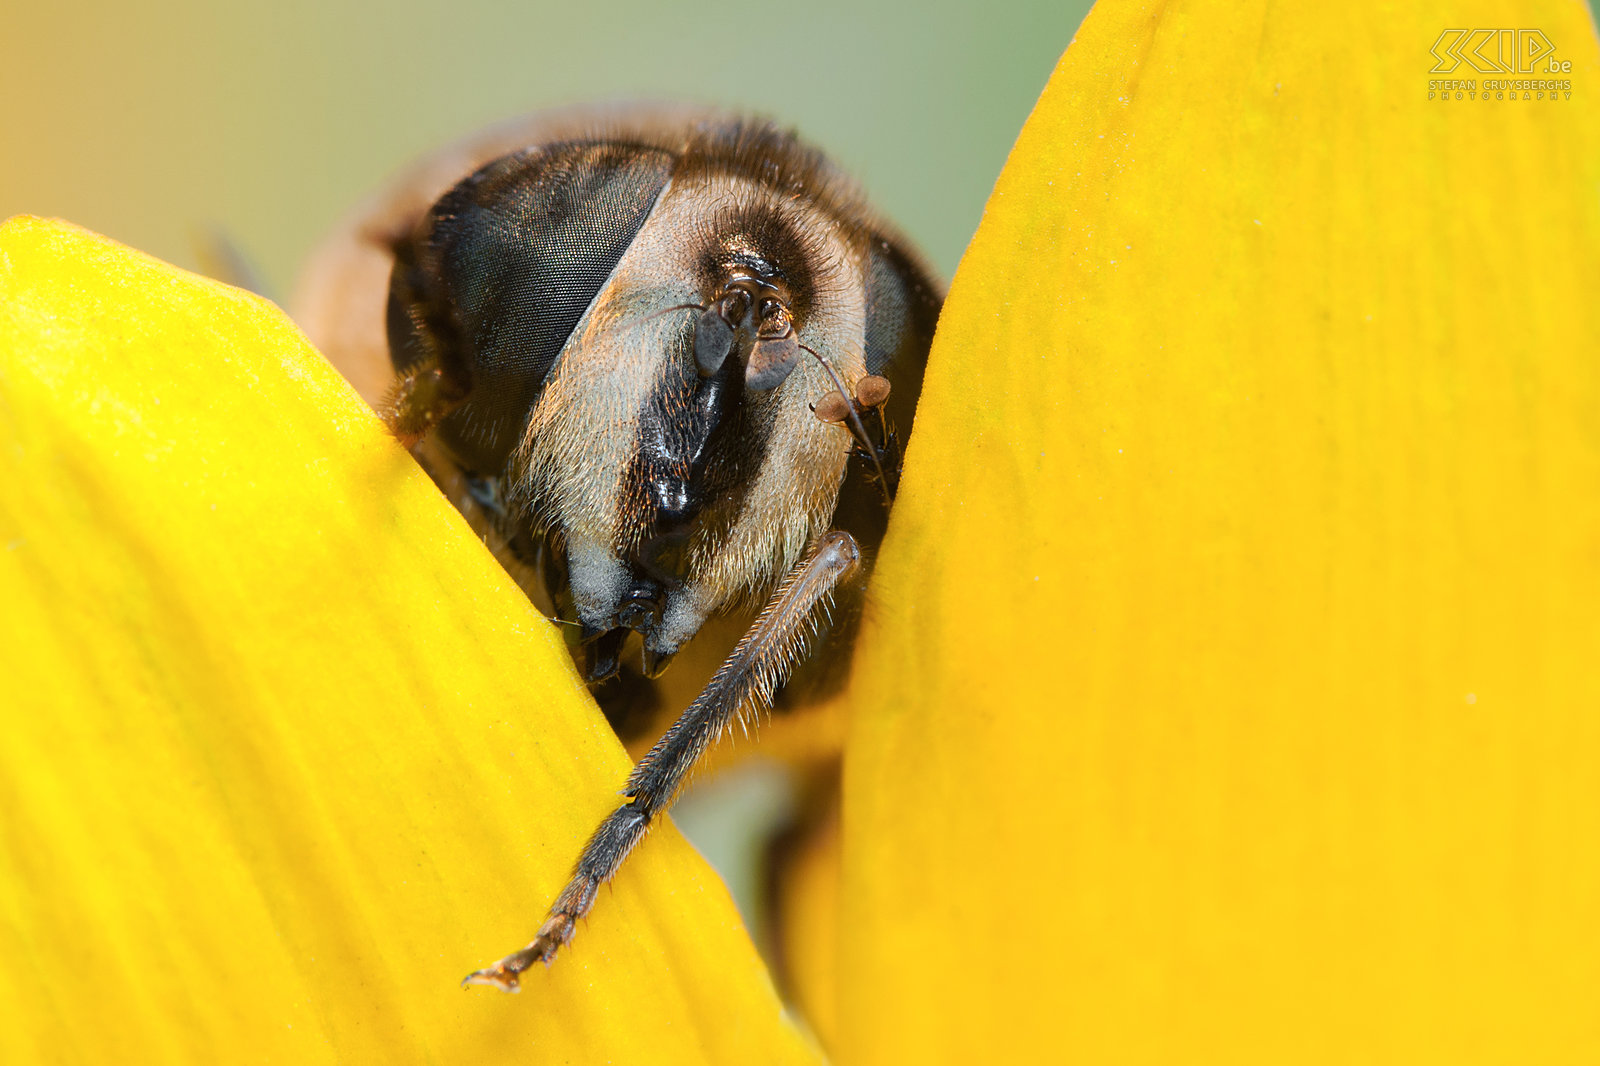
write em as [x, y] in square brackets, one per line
[659, 357]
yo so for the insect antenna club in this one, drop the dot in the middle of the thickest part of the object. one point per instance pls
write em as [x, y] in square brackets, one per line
[659, 357]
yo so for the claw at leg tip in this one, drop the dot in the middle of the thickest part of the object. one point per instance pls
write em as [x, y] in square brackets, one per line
[496, 976]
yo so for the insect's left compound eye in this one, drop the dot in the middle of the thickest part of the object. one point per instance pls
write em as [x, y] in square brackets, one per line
[503, 268]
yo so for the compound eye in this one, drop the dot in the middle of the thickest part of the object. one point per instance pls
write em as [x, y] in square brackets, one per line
[713, 341]
[503, 268]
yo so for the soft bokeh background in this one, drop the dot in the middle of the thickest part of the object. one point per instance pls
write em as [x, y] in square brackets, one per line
[154, 122]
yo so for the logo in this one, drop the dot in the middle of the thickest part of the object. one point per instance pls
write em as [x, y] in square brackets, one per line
[1505, 52]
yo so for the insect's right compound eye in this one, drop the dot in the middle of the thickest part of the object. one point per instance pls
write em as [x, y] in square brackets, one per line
[504, 267]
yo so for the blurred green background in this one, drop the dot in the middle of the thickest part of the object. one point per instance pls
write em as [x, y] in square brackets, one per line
[153, 123]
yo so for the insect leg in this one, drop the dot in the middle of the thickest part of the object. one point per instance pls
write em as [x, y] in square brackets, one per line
[746, 680]
[422, 396]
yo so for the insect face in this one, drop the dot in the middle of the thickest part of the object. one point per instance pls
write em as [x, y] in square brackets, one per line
[657, 435]
[647, 351]
[680, 488]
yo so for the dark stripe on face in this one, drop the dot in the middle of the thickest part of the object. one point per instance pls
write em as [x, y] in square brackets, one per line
[701, 445]
[757, 241]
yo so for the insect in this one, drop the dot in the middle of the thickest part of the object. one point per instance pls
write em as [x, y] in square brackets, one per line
[658, 356]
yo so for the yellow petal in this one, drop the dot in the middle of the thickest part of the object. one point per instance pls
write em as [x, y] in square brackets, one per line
[1232, 692]
[809, 927]
[286, 754]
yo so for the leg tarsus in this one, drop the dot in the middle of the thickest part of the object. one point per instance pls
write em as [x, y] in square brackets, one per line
[421, 399]
[506, 974]
[602, 856]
